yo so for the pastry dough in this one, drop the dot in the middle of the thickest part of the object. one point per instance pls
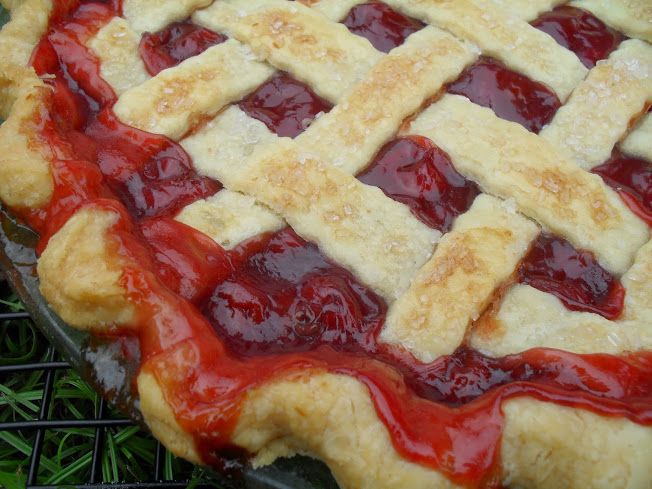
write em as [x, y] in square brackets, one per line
[598, 113]
[633, 17]
[354, 224]
[80, 273]
[638, 141]
[508, 161]
[116, 45]
[176, 99]
[291, 37]
[441, 291]
[458, 282]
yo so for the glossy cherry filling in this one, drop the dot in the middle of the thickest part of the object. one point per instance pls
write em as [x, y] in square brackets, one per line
[581, 32]
[150, 173]
[632, 179]
[510, 95]
[287, 296]
[575, 277]
[382, 26]
[280, 308]
[414, 171]
[287, 310]
[189, 266]
[175, 43]
[285, 105]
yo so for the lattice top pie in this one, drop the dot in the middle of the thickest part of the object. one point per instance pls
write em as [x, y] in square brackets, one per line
[409, 237]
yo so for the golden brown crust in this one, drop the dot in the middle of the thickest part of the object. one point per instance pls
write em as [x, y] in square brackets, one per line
[458, 282]
[29, 19]
[330, 416]
[378, 238]
[326, 415]
[10, 4]
[172, 102]
[25, 178]
[529, 318]
[548, 446]
[80, 273]
[633, 17]
[161, 421]
[116, 47]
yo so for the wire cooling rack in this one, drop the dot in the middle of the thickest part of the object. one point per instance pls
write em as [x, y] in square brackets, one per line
[35, 430]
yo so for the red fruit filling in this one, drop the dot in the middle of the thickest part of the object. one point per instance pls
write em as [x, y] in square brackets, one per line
[288, 296]
[279, 302]
[575, 277]
[382, 26]
[285, 105]
[177, 42]
[632, 179]
[414, 171]
[581, 32]
[510, 95]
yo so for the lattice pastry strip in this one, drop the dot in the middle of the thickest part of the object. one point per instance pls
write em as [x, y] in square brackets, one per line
[590, 124]
[357, 225]
[116, 46]
[294, 38]
[139, 12]
[637, 143]
[458, 282]
[508, 161]
[335, 10]
[501, 35]
[529, 318]
[230, 218]
[395, 88]
[177, 99]
[633, 17]
[527, 10]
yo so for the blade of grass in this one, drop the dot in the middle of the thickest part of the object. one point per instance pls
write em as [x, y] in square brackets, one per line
[70, 470]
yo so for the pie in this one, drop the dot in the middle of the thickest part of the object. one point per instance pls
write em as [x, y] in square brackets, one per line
[410, 238]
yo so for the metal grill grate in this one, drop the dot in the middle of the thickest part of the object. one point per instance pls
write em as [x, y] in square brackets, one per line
[101, 422]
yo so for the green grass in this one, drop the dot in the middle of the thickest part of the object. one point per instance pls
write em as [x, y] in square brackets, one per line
[128, 454]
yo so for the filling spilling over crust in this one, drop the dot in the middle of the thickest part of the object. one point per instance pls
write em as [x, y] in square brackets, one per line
[347, 235]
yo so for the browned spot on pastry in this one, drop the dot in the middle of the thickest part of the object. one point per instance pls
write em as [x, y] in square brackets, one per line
[563, 188]
[80, 272]
[488, 325]
[175, 96]
[462, 256]
[404, 128]
[280, 26]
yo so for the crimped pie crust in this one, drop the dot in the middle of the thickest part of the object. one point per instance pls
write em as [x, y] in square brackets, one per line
[528, 182]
